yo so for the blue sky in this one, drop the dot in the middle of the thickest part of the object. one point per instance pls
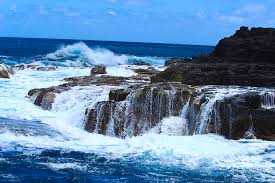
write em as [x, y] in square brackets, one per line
[168, 21]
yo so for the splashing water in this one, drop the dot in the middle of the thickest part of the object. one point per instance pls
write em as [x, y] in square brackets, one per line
[268, 100]
[87, 56]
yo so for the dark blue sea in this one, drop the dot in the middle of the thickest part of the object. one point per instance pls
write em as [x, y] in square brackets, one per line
[52, 146]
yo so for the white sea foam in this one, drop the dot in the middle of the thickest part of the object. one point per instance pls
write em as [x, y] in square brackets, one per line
[60, 166]
[200, 151]
[87, 55]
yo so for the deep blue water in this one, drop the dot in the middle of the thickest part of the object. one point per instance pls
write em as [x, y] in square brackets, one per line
[24, 50]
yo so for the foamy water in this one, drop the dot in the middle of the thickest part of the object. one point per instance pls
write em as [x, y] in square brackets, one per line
[56, 139]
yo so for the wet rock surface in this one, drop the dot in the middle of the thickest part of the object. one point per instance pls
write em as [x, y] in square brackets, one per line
[99, 69]
[243, 116]
[34, 67]
[142, 110]
[44, 97]
[5, 71]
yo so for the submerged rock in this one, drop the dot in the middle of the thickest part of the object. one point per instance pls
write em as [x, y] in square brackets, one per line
[99, 69]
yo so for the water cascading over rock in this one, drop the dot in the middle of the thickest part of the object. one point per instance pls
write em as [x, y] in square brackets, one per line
[203, 111]
[142, 110]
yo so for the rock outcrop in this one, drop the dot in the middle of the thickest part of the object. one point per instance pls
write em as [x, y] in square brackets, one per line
[239, 116]
[256, 45]
[194, 73]
[244, 116]
[142, 109]
[99, 69]
[44, 97]
[5, 71]
[246, 59]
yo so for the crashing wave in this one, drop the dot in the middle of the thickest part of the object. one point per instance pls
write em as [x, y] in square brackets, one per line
[86, 56]
[80, 55]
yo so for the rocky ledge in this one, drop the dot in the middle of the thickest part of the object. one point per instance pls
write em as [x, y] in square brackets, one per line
[132, 112]
[246, 59]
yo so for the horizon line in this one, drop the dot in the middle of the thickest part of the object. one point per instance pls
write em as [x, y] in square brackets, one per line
[83, 40]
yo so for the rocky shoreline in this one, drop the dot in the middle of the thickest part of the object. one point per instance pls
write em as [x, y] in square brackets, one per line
[208, 94]
[245, 59]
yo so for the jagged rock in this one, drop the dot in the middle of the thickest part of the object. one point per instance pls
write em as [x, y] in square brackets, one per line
[5, 71]
[247, 59]
[142, 110]
[99, 69]
[242, 113]
[118, 95]
[255, 45]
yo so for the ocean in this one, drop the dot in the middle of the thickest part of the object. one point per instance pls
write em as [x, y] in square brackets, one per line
[37, 145]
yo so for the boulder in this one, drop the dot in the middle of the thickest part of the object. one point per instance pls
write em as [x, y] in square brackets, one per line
[99, 69]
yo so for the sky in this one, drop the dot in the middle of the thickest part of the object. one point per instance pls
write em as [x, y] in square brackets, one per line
[202, 22]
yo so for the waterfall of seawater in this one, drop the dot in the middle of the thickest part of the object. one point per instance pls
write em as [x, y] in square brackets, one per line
[268, 100]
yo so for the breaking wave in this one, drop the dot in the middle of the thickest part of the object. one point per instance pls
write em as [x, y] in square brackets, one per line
[80, 55]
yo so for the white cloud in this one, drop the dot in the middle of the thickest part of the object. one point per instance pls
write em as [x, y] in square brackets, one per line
[13, 8]
[112, 13]
[253, 8]
[201, 14]
[112, 1]
[68, 12]
[71, 13]
[232, 19]
[42, 10]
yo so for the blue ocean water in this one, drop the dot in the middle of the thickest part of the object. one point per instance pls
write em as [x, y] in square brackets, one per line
[51, 146]
[25, 50]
